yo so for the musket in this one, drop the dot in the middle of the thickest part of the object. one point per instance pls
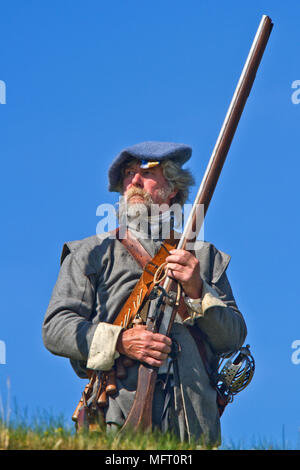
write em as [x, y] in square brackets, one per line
[140, 415]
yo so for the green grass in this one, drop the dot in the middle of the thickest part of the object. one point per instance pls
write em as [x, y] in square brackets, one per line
[23, 437]
[47, 433]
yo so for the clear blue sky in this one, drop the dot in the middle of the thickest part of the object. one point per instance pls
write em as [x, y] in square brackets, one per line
[84, 80]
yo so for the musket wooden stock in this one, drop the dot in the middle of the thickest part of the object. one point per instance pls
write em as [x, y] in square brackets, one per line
[140, 415]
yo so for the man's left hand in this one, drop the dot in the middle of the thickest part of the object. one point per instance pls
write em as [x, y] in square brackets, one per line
[185, 268]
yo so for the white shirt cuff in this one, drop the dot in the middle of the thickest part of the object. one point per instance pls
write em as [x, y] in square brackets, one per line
[210, 298]
[103, 353]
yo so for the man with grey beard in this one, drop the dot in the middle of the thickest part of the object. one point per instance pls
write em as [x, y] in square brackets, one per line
[97, 275]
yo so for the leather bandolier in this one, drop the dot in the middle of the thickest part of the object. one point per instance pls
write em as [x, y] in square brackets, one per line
[90, 415]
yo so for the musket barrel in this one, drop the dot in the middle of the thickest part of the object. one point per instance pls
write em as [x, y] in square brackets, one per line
[227, 132]
[221, 148]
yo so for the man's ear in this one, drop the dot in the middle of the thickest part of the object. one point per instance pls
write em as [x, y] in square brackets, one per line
[172, 195]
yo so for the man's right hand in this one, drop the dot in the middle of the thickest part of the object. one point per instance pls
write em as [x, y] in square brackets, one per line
[140, 344]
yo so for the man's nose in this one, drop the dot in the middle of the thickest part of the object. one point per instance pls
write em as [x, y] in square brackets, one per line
[137, 180]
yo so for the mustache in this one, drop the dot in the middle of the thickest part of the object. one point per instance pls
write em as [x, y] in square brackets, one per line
[135, 191]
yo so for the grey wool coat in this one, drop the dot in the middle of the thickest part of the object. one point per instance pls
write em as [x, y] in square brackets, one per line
[96, 277]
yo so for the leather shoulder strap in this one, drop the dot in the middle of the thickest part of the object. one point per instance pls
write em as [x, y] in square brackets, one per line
[134, 247]
[145, 284]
